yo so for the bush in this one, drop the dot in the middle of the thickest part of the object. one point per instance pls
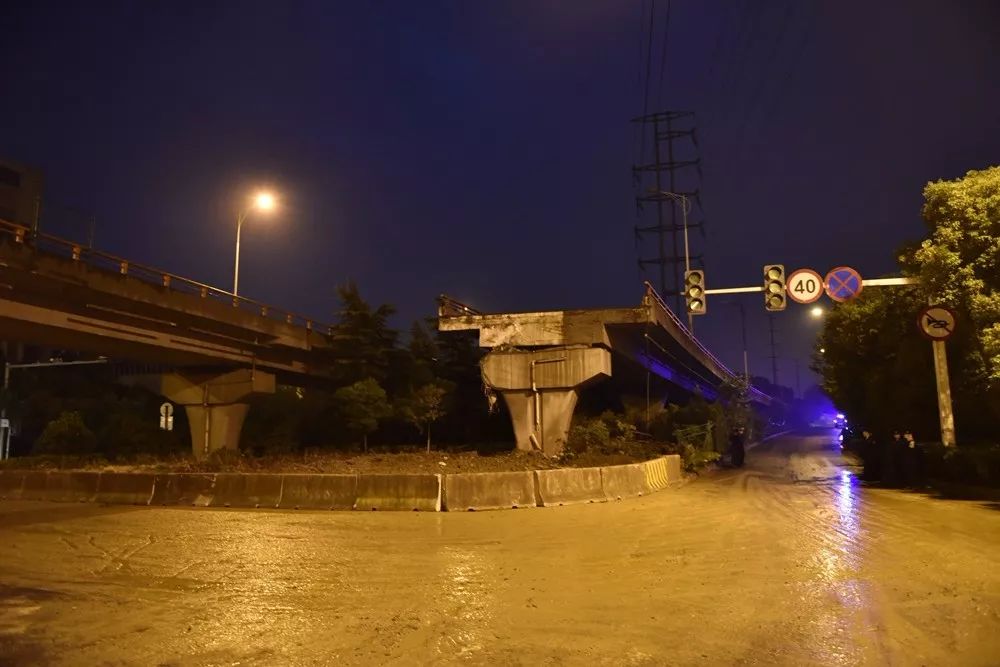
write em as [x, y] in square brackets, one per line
[126, 435]
[591, 436]
[972, 464]
[67, 434]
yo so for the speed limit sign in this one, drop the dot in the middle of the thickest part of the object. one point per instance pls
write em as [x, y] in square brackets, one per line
[804, 286]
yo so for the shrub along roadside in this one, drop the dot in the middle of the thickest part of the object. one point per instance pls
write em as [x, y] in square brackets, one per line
[612, 439]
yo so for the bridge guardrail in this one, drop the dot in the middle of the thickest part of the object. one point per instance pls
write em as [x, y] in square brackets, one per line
[103, 261]
[654, 295]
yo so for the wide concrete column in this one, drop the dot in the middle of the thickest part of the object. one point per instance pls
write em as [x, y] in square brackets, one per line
[215, 427]
[541, 388]
[214, 402]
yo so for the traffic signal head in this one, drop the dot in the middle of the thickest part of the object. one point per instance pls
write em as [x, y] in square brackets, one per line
[774, 287]
[694, 291]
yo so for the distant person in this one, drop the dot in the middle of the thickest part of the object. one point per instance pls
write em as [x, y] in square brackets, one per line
[892, 455]
[913, 464]
[871, 457]
[737, 446]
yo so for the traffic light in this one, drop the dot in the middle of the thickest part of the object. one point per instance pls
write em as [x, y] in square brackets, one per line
[694, 291]
[774, 287]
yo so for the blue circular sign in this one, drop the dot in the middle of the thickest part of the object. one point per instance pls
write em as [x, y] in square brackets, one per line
[843, 283]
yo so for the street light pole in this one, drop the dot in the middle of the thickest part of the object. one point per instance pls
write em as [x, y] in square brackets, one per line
[4, 424]
[236, 270]
[264, 201]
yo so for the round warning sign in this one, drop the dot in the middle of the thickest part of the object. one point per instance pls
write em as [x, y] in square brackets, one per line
[804, 286]
[937, 322]
[843, 283]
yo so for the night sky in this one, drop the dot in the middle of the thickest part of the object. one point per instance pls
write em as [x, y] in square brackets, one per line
[484, 150]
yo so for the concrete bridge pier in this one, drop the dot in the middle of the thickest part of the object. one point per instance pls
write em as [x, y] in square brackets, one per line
[214, 403]
[541, 388]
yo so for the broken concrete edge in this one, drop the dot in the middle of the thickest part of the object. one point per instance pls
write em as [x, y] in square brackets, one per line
[456, 492]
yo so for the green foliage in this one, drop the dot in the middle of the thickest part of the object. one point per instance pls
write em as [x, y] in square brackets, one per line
[67, 434]
[424, 407]
[128, 433]
[363, 404]
[363, 344]
[590, 435]
[876, 366]
[274, 422]
[959, 263]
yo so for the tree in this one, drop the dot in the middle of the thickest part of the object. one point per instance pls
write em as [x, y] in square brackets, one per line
[362, 341]
[363, 404]
[67, 434]
[875, 365]
[424, 407]
[959, 263]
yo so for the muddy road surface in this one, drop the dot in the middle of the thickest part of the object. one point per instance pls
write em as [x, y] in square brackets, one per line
[789, 561]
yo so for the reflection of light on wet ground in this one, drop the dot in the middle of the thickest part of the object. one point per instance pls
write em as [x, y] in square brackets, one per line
[469, 602]
[252, 588]
[845, 596]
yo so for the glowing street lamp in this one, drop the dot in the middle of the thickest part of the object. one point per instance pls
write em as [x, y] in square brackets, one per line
[264, 202]
[817, 312]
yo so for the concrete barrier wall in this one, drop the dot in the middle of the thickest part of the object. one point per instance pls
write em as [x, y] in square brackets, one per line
[246, 490]
[489, 491]
[429, 493]
[125, 488]
[565, 486]
[399, 492]
[71, 487]
[33, 486]
[326, 492]
[662, 472]
[625, 481]
[183, 489]
[10, 484]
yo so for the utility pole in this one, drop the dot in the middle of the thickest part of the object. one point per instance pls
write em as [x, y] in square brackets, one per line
[675, 155]
[774, 350]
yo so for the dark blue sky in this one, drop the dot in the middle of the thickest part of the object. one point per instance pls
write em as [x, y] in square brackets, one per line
[484, 149]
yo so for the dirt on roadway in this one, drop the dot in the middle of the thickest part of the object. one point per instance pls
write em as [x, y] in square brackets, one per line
[787, 562]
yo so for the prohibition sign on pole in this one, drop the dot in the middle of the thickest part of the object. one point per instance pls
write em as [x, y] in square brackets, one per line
[936, 322]
[843, 284]
[804, 286]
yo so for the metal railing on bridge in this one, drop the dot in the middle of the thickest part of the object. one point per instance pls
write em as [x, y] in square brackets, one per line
[654, 296]
[106, 262]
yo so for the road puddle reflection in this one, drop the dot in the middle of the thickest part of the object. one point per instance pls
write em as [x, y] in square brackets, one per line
[470, 602]
[843, 596]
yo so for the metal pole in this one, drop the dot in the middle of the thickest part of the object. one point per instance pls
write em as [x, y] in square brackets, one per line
[687, 253]
[646, 336]
[743, 325]
[945, 413]
[236, 269]
[5, 432]
[774, 354]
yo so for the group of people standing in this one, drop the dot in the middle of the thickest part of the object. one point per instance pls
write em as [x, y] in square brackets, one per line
[898, 462]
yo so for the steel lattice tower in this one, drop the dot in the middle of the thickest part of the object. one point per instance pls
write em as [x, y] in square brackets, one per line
[676, 168]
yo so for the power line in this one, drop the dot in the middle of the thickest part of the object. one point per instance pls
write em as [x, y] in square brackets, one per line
[663, 57]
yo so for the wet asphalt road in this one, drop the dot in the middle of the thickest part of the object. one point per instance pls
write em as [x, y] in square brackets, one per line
[788, 562]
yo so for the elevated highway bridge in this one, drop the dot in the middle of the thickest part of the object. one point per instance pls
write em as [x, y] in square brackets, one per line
[539, 362]
[222, 347]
